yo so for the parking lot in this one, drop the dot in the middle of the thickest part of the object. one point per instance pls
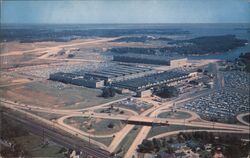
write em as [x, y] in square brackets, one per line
[237, 79]
[221, 105]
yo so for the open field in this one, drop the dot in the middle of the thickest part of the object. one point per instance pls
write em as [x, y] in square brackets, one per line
[164, 129]
[106, 141]
[35, 145]
[135, 105]
[46, 94]
[94, 125]
[48, 116]
[115, 111]
[175, 115]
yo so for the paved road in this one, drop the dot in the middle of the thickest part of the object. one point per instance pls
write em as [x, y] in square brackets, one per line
[240, 118]
[57, 135]
[148, 116]
[196, 130]
[157, 109]
[52, 124]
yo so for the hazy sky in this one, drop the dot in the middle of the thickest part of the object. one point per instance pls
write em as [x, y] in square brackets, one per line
[126, 11]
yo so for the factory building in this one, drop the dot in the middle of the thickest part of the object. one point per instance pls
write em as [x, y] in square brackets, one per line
[146, 82]
[77, 79]
[146, 59]
[102, 77]
[120, 72]
[150, 59]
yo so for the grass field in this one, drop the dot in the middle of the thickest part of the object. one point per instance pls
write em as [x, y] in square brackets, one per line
[175, 115]
[115, 110]
[95, 126]
[164, 129]
[106, 141]
[48, 94]
[34, 144]
[45, 115]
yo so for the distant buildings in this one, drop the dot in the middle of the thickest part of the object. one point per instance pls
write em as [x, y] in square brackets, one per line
[150, 59]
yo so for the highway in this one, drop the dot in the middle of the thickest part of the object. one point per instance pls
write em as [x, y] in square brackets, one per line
[58, 135]
[148, 116]
[48, 125]
[195, 130]
[165, 106]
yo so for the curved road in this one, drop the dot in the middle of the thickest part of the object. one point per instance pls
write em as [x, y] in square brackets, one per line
[177, 132]
[240, 118]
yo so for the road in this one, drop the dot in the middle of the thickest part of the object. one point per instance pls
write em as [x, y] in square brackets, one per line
[240, 118]
[148, 116]
[158, 109]
[52, 124]
[195, 130]
[57, 135]
[119, 136]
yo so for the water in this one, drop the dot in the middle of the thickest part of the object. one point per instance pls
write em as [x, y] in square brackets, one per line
[223, 29]
[196, 30]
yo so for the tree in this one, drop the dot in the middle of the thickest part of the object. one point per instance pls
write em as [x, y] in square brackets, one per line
[111, 125]
[199, 70]
[171, 140]
[108, 92]
[169, 150]
[168, 92]
[71, 55]
[157, 144]
[147, 146]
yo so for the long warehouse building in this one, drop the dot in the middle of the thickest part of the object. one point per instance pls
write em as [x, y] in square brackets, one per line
[102, 77]
[120, 72]
[152, 80]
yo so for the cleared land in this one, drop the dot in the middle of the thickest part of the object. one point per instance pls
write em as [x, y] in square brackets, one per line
[47, 95]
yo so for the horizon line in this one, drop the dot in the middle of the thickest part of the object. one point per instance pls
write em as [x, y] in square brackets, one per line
[120, 23]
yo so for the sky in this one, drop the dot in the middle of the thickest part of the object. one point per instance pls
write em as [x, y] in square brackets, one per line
[125, 11]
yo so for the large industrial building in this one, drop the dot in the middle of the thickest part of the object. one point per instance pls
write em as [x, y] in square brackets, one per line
[150, 59]
[120, 72]
[123, 76]
[77, 79]
[141, 59]
[152, 80]
[102, 77]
